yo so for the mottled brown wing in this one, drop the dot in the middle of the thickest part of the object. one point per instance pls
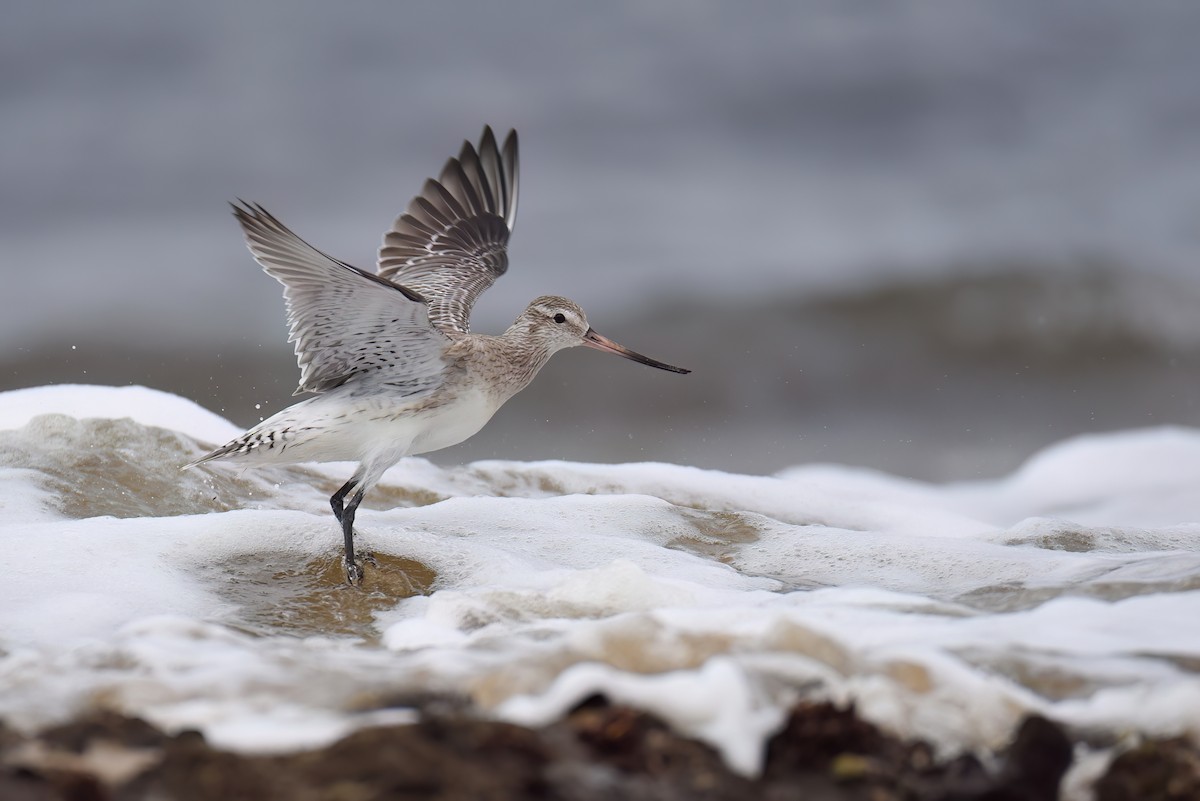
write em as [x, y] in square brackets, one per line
[346, 323]
[449, 245]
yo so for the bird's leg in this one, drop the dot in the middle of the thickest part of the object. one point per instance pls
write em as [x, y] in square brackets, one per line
[338, 497]
[354, 573]
[365, 477]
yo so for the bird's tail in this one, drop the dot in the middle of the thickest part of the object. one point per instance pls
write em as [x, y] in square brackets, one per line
[208, 457]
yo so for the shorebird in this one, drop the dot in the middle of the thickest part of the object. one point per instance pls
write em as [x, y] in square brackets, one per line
[389, 356]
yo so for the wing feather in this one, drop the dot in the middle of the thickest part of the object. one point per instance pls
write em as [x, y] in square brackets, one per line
[474, 172]
[346, 323]
[450, 244]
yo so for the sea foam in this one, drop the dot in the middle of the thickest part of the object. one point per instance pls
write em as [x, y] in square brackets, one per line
[213, 599]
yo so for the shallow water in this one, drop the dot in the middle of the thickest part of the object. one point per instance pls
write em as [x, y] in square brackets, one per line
[214, 600]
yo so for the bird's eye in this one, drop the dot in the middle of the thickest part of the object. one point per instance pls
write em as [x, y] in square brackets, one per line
[560, 318]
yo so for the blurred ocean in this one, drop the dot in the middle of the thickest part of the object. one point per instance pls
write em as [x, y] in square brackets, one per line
[926, 237]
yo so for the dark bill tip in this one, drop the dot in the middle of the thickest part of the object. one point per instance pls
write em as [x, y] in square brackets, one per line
[593, 340]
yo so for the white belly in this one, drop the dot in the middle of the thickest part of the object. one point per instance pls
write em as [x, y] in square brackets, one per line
[454, 422]
[351, 427]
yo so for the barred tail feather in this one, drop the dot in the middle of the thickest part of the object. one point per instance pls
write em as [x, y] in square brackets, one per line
[252, 442]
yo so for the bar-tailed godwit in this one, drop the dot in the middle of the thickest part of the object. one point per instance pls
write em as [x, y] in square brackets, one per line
[389, 356]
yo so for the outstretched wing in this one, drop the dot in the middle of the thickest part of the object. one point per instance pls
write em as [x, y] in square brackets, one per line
[449, 245]
[345, 322]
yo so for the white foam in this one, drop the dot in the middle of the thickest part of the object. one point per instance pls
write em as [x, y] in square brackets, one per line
[150, 407]
[716, 703]
[713, 600]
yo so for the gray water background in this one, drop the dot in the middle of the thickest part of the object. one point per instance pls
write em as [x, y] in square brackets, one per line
[927, 237]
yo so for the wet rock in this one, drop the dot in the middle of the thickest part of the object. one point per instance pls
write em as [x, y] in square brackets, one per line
[619, 752]
[76, 735]
[598, 751]
[1157, 770]
[446, 759]
[1035, 763]
[190, 770]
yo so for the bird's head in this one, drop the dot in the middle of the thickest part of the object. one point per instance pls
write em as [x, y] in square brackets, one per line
[559, 323]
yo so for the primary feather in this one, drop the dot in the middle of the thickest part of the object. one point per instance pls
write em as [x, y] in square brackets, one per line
[450, 243]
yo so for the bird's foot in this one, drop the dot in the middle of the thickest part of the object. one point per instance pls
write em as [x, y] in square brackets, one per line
[354, 570]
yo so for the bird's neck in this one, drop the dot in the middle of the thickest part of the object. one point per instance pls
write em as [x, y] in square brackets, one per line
[521, 355]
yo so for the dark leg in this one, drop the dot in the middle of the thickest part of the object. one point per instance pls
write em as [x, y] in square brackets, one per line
[354, 573]
[338, 497]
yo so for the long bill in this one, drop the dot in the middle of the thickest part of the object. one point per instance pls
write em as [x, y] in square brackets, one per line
[593, 340]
